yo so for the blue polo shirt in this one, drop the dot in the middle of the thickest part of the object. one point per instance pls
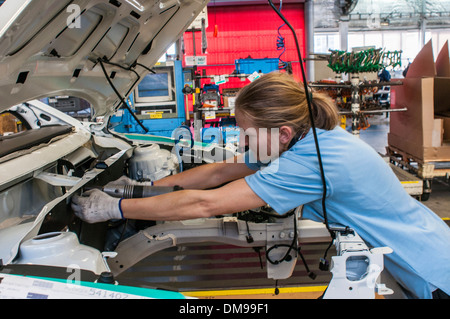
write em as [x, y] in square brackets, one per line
[364, 194]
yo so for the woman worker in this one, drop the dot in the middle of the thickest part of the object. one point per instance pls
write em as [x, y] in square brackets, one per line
[362, 192]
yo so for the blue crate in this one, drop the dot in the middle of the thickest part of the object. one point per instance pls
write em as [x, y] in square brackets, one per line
[248, 66]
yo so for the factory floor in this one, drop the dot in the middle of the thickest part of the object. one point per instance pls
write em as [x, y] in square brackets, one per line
[376, 136]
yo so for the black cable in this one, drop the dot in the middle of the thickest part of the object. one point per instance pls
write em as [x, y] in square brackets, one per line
[294, 240]
[145, 67]
[274, 215]
[122, 99]
[38, 122]
[311, 117]
[291, 246]
[280, 44]
[138, 77]
[122, 233]
[311, 274]
[324, 263]
[121, 66]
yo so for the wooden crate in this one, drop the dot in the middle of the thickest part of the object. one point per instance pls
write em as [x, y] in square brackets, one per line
[424, 170]
[7, 123]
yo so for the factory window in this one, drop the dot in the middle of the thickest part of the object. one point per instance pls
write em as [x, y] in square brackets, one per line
[410, 45]
[408, 41]
[320, 43]
[373, 39]
[392, 41]
[443, 36]
[169, 55]
[355, 40]
[325, 42]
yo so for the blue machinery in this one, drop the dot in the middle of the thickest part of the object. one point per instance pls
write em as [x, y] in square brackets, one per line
[158, 102]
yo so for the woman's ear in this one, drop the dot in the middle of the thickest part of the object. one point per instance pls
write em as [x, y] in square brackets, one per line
[286, 135]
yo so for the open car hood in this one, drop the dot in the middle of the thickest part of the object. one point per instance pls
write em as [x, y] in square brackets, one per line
[53, 47]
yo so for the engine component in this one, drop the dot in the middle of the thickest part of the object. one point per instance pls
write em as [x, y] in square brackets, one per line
[138, 191]
[227, 230]
[356, 269]
[150, 162]
[61, 249]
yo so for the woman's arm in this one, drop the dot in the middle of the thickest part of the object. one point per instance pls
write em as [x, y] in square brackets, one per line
[189, 204]
[208, 175]
[196, 201]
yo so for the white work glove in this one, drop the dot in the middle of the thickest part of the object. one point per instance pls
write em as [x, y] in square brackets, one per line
[124, 180]
[95, 206]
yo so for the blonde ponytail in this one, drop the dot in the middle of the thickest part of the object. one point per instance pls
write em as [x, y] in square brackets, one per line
[276, 99]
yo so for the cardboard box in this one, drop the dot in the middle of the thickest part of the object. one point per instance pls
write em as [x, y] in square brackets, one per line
[7, 123]
[423, 130]
[229, 96]
[446, 137]
[228, 101]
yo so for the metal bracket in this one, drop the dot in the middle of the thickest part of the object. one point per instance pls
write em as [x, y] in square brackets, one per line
[229, 230]
[58, 179]
[356, 269]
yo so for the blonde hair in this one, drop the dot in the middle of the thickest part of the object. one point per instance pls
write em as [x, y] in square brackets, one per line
[276, 99]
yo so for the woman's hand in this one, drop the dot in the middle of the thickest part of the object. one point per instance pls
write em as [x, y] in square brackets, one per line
[95, 206]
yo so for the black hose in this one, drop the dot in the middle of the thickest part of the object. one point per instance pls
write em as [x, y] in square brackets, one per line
[311, 117]
[122, 99]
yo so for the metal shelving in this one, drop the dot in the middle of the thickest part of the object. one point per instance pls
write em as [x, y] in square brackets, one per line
[355, 86]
